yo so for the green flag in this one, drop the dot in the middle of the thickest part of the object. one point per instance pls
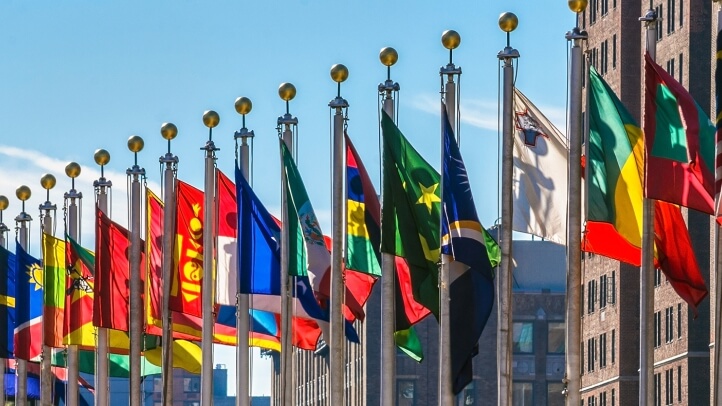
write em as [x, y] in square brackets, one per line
[410, 217]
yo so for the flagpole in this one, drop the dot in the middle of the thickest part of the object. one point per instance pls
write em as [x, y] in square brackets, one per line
[72, 170]
[210, 120]
[718, 254]
[135, 145]
[4, 229]
[243, 106]
[451, 40]
[647, 270]
[287, 92]
[21, 367]
[46, 374]
[572, 380]
[388, 57]
[337, 354]
[168, 131]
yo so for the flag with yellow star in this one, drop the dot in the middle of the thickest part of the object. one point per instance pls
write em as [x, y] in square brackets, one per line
[411, 213]
[28, 340]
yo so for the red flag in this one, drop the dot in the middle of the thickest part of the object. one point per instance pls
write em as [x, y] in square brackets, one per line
[112, 287]
[185, 296]
[675, 255]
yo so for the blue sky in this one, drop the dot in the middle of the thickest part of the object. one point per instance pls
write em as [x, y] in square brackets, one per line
[81, 75]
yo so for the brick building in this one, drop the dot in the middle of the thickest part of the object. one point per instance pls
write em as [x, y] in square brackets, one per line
[610, 303]
[538, 311]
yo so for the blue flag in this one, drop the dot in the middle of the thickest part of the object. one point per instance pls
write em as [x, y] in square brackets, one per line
[465, 241]
[28, 305]
[7, 302]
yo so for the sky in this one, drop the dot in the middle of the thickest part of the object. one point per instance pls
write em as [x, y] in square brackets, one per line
[76, 76]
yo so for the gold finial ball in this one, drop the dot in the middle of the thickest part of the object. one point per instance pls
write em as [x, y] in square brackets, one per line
[243, 105]
[339, 73]
[577, 6]
[72, 170]
[388, 56]
[287, 91]
[47, 181]
[450, 39]
[168, 131]
[23, 193]
[508, 21]
[101, 157]
[135, 143]
[4, 203]
[211, 118]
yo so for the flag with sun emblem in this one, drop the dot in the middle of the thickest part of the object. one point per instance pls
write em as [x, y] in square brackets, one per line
[28, 305]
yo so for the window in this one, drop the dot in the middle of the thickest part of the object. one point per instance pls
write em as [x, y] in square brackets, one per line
[603, 287]
[603, 399]
[603, 350]
[614, 3]
[657, 329]
[605, 7]
[679, 320]
[670, 67]
[681, 12]
[591, 354]
[613, 295]
[591, 401]
[657, 277]
[657, 389]
[614, 346]
[658, 9]
[467, 396]
[591, 295]
[405, 391]
[679, 383]
[581, 358]
[555, 338]
[593, 12]
[554, 393]
[522, 393]
[613, 397]
[668, 17]
[614, 64]
[669, 318]
[192, 385]
[523, 337]
[681, 68]
[669, 386]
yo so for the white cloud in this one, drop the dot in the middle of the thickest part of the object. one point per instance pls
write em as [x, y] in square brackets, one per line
[26, 167]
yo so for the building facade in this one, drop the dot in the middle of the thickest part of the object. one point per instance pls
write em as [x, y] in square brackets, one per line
[610, 304]
[538, 361]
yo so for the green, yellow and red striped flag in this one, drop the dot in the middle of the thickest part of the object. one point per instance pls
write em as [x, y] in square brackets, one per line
[54, 290]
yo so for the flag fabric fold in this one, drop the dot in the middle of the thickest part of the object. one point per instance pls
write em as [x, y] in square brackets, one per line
[411, 215]
[227, 241]
[54, 290]
[464, 243]
[680, 143]
[29, 274]
[540, 174]
[615, 194]
[186, 292]
[7, 302]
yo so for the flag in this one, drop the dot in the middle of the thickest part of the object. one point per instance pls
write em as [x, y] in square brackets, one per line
[364, 255]
[540, 174]
[186, 355]
[185, 296]
[227, 248]
[7, 302]
[112, 287]
[54, 291]
[28, 306]
[718, 122]
[464, 243]
[362, 225]
[680, 143]
[411, 215]
[309, 254]
[614, 226]
[614, 187]
[118, 364]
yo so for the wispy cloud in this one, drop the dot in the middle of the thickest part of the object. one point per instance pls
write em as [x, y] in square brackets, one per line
[26, 167]
[484, 113]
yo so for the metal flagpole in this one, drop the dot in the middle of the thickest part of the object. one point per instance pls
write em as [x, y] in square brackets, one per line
[573, 316]
[647, 270]
[21, 366]
[73, 171]
[243, 106]
[210, 120]
[339, 74]
[287, 92]
[508, 23]
[102, 387]
[135, 145]
[46, 374]
[168, 131]
[718, 234]
[451, 40]
[4, 202]
[388, 57]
